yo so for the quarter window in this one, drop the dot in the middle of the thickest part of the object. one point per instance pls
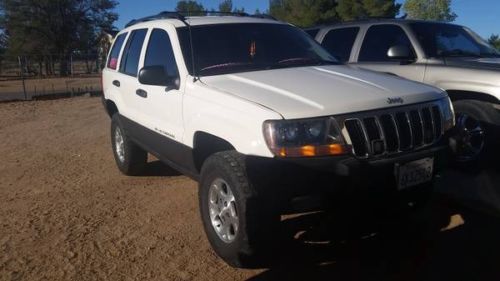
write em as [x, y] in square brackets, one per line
[160, 52]
[115, 51]
[379, 39]
[312, 32]
[132, 53]
[339, 42]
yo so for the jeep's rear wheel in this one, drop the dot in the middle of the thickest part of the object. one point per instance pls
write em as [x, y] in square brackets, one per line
[477, 128]
[239, 221]
[130, 158]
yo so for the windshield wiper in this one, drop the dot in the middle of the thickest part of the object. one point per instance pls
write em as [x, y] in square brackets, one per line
[490, 55]
[300, 61]
[225, 65]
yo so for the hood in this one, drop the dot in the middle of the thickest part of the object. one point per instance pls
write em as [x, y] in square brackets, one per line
[324, 90]
[478, 63]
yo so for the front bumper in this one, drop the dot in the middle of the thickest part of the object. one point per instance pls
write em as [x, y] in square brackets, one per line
[302, 177]
[348, 166]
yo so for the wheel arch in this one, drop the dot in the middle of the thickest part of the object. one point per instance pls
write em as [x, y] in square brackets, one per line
[205, 145]
[456, 95]
[110, 107]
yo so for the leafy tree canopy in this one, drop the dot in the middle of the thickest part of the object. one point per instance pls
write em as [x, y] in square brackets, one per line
[313, 12]
[226, 6]
[304, 12]
[359, 9]
[54, 26]
[494, 40]
[188, 6]
[439, 10]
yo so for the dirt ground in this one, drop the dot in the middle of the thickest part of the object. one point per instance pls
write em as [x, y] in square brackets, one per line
[66, 213]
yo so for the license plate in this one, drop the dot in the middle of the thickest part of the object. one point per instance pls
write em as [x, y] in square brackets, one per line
[414, 173]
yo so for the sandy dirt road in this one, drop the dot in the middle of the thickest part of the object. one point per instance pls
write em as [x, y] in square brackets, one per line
[67, 214]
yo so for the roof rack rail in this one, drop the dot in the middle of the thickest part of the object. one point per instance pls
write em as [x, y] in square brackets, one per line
[162, 15]
[357, 20]
[182, 16]
[202, 13]
[263, 16]
[219, 13]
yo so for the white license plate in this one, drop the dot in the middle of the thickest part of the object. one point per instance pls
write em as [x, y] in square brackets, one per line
[414, 173]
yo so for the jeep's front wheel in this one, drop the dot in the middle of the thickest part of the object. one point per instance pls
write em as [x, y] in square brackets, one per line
[239, 221]
[130, 158]
[476, 132]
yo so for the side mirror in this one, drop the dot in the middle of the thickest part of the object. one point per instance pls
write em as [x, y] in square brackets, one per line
[400, 52]
[155, 75]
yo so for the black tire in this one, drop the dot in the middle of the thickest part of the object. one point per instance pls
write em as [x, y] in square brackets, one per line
[134, 159]
[258, 218]
[489, 118]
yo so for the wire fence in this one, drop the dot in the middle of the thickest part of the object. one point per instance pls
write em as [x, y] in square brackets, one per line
[30, 77]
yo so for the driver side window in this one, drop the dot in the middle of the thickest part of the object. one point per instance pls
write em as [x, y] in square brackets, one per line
[160, 52]
[379, 39]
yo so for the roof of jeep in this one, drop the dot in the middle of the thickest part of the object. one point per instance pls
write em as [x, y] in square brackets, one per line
[378, 21]
[206, 20]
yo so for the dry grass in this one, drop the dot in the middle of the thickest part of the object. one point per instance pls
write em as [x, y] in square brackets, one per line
[13, 89]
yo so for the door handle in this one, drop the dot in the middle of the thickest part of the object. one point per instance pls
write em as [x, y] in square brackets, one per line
[141, 93]
[116, 83]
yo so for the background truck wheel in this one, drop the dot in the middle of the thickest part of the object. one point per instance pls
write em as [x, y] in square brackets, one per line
[129, 157]
[238, 217]
[478, 125]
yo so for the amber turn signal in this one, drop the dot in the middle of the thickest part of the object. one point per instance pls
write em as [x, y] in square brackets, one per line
[312, 151]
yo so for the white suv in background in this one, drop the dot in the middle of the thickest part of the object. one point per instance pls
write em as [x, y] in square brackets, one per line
[444, 55]
[259, 114]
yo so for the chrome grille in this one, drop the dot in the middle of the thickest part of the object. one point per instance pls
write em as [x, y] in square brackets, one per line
[393, 131]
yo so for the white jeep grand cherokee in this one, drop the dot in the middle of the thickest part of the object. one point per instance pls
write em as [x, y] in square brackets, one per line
[259, 114]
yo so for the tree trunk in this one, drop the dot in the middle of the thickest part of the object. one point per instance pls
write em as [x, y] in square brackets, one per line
[65, 66]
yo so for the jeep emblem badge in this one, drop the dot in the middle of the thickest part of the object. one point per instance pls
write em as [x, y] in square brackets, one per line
[395, 100]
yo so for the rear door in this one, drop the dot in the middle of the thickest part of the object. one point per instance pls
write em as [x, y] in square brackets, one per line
[126, 79]
[340, 42]
[377, 42]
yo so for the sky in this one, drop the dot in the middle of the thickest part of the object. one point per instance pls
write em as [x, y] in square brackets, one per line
[482, 16]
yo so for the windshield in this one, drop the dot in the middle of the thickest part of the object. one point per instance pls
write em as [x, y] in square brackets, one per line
[446, 40]
[232, 48]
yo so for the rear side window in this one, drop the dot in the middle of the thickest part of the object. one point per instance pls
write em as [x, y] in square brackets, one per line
[132, 53]
[160, 52]
[339, 42]
[115, 51]
[379, 39]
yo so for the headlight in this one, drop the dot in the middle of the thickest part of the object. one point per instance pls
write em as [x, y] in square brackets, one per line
[305, 138]
[448, 114]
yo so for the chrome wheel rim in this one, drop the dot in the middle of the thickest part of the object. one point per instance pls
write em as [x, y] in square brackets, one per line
[222, 208]
[119, 145]
[468, 142]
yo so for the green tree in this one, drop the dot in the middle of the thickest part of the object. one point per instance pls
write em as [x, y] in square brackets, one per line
[494, 41]
[359, 9]
[239, 10]
[439, 10]
[226, 6]
[55, 27]
[304, 13]
[189, 7]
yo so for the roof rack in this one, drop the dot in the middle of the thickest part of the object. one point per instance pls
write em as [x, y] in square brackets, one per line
[162, 15]
[182, 16]
[358, 20]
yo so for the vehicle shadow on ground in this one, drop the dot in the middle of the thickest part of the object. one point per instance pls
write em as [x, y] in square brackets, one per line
[440, 241]
[156, 168]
